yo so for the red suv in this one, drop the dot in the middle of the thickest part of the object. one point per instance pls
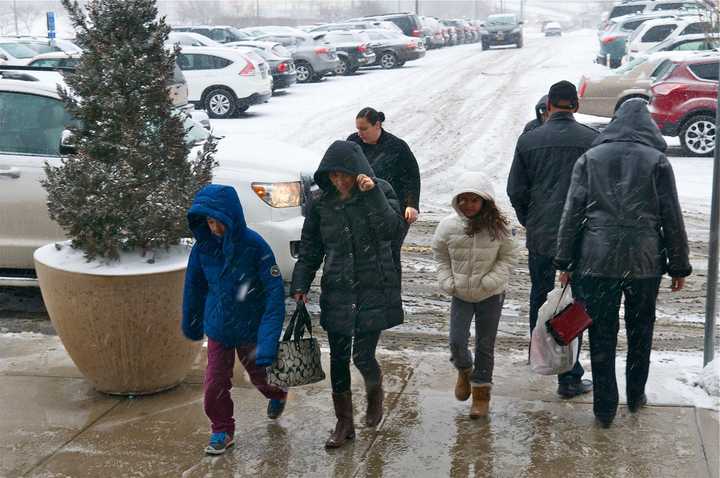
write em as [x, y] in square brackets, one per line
[683, 103]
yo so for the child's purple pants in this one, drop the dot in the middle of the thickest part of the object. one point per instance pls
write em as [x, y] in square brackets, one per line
[218, 375]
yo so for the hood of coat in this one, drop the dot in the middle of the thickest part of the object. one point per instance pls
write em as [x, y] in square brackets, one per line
[344, 156]
[472, 183]
[540, 107]
[222, 204]
[632, 123]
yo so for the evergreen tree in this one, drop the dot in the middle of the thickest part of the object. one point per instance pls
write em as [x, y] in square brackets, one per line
[130, 182]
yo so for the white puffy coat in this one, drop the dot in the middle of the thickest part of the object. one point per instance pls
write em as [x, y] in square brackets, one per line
[471, 268]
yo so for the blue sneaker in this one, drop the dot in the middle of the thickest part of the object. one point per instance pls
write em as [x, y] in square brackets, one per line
[275, 408]
[219, 443]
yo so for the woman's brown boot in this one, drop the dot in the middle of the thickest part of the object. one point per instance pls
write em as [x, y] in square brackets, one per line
[374, 403]
[462, 387]
[345, 427]
[480, 400]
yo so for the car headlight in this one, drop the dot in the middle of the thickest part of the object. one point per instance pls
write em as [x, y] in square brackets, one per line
[288, 194]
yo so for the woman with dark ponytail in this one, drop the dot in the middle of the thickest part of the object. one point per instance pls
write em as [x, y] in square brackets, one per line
[391, 160]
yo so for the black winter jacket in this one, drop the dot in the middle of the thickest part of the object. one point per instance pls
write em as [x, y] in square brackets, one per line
[540, 177]
[360, 285]
[622, 217]
[392, 160]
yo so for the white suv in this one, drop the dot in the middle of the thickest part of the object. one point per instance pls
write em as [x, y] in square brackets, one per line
[653, 32]
[272, 179]
[224, 81]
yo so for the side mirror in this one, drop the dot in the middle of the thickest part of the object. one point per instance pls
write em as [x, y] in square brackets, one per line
[67, 142]
[482, 24]
[521, 22]
[3, 57]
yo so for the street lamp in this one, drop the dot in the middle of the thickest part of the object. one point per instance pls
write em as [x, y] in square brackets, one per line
[712, 274]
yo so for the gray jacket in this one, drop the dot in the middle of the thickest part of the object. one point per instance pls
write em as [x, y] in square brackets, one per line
[622, 217]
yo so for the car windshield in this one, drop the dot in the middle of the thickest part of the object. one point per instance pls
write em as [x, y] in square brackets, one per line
[501, 19]
[18, 50]
[42, 47]
[239, 35]
[662, 70]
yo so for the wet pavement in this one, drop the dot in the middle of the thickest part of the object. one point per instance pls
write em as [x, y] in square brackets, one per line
[53, 424]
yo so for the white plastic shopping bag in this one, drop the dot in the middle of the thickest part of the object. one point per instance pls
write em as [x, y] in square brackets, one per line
[547, 357]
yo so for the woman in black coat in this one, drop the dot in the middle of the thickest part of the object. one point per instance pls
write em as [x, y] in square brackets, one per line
[350, 228]
[392, 160]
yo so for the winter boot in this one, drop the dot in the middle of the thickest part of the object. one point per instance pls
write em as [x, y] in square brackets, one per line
[374, 403]
[462, 387]
[480, 400]
[345, 427]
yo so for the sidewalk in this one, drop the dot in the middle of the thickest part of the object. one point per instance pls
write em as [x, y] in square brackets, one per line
[53, 424]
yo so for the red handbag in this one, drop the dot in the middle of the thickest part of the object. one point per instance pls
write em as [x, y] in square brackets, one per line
[569, 323]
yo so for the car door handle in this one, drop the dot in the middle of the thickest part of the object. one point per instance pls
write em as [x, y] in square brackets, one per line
[13, 173]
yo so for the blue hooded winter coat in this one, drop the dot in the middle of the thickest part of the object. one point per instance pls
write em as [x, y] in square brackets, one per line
[233, 288]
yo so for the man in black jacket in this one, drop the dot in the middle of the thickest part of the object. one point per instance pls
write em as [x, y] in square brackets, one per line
[538, 183]
[621, 230]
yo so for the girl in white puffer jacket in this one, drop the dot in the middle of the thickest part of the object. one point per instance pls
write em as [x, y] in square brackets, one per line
[475, 251]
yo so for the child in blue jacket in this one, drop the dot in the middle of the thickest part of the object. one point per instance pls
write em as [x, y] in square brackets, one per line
[234, 295]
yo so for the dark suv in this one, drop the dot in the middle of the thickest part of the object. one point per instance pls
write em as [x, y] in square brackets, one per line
[502, 29]
[409, 23]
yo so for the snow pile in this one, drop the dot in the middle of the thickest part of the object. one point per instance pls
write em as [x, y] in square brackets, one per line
[62, 256]
[710, 378]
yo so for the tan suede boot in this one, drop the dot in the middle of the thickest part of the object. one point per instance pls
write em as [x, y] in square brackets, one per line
[462, 387]
[480, 400]
[345, 427]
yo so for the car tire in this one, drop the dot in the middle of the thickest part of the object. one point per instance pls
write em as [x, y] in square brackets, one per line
[388, 60]
[220, 103]
[485, 46]
[519, 44]
[304, 72]
[698, 136]
[343, 68]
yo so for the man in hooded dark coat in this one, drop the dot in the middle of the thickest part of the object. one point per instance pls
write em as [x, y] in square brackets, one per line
[621, 230]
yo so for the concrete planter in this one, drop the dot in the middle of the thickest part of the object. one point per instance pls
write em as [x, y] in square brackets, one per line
[120, 324]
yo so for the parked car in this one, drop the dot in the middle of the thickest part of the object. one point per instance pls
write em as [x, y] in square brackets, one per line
[613, 39]
[178, 90]
[465, 31]
[312, 61]
[392, 50]
[553, 29]
[191, 39]
[603, 95]
[223, 81]
[653, 32]
[58, 59]
[271, 178]
[433, 31]
[219, 33]
[20, 50]
[278, 58]
[409, 23]
[457, 35]
[502, 29]
[352, 49]
[357, 25]
[684, 103]
[694, 42]
[648, 6]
